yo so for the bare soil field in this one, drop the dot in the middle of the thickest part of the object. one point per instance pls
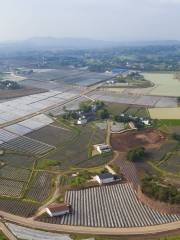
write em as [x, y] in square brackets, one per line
[25, 91]
[149, 139]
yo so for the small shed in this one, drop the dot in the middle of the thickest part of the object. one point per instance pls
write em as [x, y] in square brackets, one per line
[55, 210]
[103, 148]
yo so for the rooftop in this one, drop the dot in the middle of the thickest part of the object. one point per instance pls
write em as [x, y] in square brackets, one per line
[55, 207]
[105, 176]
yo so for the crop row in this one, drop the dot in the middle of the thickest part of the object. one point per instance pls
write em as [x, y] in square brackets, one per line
[19, 208]
[14, 173]
[27, 145]
[109, 206]
[10, 188]
[41, 187]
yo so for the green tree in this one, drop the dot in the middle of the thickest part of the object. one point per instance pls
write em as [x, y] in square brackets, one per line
[103, 114]
[136, 154]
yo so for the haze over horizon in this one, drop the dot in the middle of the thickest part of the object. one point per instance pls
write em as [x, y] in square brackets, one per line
[110, 20]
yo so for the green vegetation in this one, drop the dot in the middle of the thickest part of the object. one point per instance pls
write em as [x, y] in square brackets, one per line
[170, 238]
[136, 154]
[152, 187]
[9, 85]
[2, 237]
[176, 137]
[131, 79]
[166, 123]
[80, 179]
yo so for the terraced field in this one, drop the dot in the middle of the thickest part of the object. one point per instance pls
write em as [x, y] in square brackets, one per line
[109, 206]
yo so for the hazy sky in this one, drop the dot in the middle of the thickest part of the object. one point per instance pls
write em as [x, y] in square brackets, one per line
[118, 20]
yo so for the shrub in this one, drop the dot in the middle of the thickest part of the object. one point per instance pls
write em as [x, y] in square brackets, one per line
[136, 154]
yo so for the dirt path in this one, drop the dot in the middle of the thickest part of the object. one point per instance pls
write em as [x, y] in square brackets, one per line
[91, 230]
[54, 197]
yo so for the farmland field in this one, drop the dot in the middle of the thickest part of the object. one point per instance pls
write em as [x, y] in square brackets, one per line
[28, 146]
[117, 108]
[41, 186]
[17, 160]
[69, 76]
[109, 206]
[164, 113]
[16, 207]
[77, 151]
[165, 84]
[135, 99]
[52, 135]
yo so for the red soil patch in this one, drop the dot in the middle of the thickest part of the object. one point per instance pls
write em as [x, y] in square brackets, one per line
[148, 138]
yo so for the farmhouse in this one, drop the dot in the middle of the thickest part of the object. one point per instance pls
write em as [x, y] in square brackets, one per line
[146, 122]
[102, 148]
[55, 210]
[104, 178]
[82, 121]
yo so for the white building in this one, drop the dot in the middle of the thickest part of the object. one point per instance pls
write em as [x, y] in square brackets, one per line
[146, 122]
[82, 121]
[55, 209]
[105, 178]
[102, 148]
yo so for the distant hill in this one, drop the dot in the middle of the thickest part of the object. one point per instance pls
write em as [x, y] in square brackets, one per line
[50, 43]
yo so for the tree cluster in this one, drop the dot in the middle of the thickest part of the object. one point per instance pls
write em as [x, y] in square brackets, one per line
[11, 85]
[153, 189]
[136, 154]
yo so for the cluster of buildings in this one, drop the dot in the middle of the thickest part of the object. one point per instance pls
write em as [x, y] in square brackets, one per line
[131, 119]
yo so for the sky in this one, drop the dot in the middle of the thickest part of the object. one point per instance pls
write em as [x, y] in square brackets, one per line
[115, 20]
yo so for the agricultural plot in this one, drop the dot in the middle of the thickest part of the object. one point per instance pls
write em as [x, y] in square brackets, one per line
[164, 113]
[16, 207]
[70, 76]
[109, 206]
[134, 99]
[32, 104]
[28, 146]
[13, 173]
[77, 151]
[10, 188]
[172, 164]
[17, 160]
[18, 129]
[156, 155]
[165, 84]
[5, 136]
[41, 187]
[52, 135]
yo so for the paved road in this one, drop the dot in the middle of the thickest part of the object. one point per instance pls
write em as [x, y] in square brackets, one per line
[91, 230]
